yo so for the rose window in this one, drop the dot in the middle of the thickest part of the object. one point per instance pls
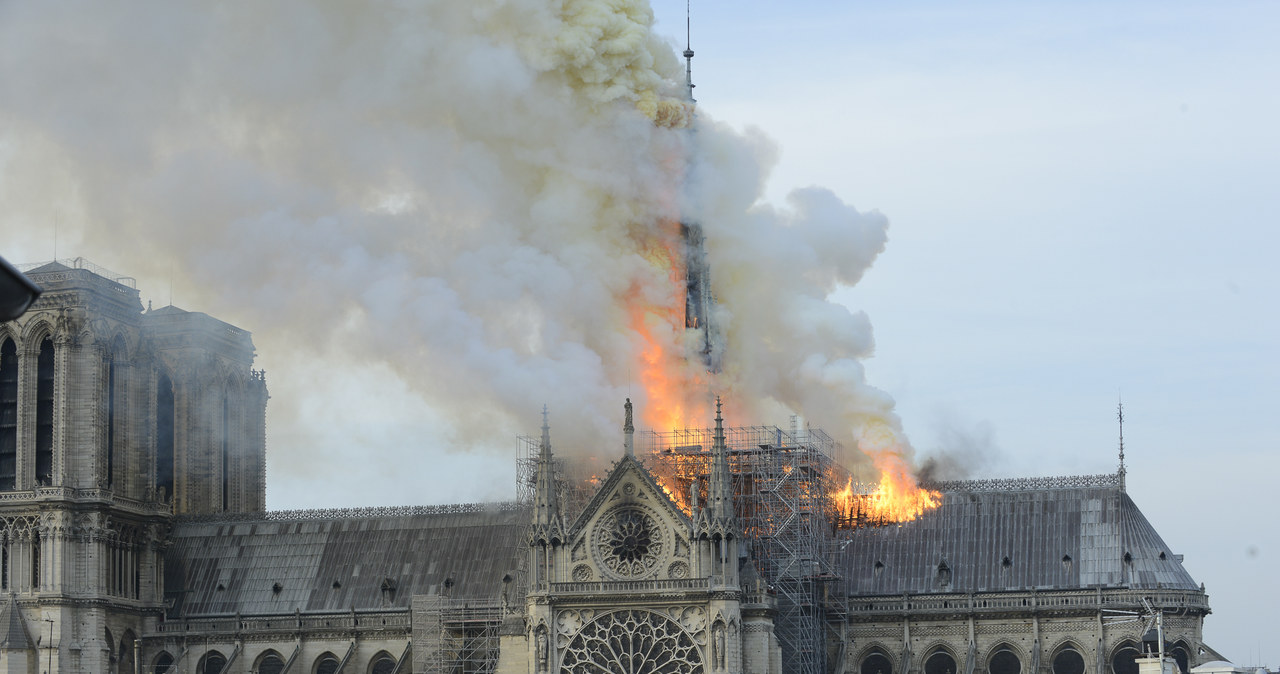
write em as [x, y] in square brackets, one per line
[629, 542]
[632, 642]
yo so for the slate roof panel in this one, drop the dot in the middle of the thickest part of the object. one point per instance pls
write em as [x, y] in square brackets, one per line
[995, 540]
[410, 553]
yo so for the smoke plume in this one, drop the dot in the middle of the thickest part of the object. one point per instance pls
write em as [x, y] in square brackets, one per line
[459, 202]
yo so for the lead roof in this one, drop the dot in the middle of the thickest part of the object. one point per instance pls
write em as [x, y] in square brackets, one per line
[1019, 535]
[313, 561]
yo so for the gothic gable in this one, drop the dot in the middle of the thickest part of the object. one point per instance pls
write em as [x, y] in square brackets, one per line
[630, 530]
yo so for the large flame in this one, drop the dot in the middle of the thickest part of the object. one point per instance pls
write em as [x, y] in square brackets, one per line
[897, 497]
[674, 385]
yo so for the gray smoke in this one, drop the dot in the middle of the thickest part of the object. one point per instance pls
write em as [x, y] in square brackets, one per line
[434, 217]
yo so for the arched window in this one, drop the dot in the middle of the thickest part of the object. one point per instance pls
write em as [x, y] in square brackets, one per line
[8, 415]
[326, 664]
[269, 663]
[876, 662]
[126, 653]
[165, 440]
[1004, 661]
[115, 404]
[44, 413]
[1124, 660]
[35, 561]
[213, 662]
[1181, 654]
[382, 663]
[111, 648]
[224, 448]
[940, 662]
[1068, 660]
[162, 663]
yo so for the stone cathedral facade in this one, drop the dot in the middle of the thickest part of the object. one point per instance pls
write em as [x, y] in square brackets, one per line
[133, 538]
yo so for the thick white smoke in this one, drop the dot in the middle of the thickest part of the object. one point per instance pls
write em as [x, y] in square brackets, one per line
[462, 197]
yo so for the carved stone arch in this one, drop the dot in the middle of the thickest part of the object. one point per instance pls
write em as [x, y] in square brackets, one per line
[1060, 663]
[382, 662]
[1002, 657]
[109, 645]
[162, 662]
[8, 331]
[1121, 656]
[125, 653]
[120, 346]
[864, 659]
[269, 661]
[327, 663]
[211, 661]
[34, 333]
[936, 652]
[1183, 658]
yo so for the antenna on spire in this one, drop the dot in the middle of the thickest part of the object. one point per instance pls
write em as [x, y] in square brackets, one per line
[688, 49]
[1120, 418]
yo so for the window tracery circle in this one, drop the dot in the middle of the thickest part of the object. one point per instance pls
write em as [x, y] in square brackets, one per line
[629, 542]
[632, 642]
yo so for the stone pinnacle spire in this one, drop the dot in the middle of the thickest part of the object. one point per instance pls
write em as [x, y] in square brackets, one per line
[628, 432]
[547, 526]
[720, 489]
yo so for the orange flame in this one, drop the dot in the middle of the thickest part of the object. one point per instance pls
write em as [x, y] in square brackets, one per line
[669, 378]
[896, 498]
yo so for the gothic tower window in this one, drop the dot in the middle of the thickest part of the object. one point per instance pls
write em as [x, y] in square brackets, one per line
[44, 413]
[111, 418]
[165, 428]
[35, 561]
[224, 450]
[4, 562]
[8, 415]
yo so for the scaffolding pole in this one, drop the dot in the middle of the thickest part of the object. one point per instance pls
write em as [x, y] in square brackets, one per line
[466, 638]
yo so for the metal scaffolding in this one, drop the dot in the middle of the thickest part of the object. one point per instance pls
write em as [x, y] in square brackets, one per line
[467, 638]
[783, 483]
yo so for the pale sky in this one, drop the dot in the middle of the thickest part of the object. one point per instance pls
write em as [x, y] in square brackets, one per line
[1083, 201]
[1081, 197]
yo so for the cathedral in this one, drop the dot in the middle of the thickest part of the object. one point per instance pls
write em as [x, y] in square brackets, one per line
[134, 538]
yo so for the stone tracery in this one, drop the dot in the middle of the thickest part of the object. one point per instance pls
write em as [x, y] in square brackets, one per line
[632, 642]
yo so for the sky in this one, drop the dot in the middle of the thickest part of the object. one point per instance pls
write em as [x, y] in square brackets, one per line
[1083, 204]
[1079, 197]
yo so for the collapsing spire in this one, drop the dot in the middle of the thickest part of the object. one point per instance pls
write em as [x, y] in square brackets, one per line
[548, 526]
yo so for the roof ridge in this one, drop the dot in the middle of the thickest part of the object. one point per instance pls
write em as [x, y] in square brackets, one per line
[353, 513]
[1028, 483]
